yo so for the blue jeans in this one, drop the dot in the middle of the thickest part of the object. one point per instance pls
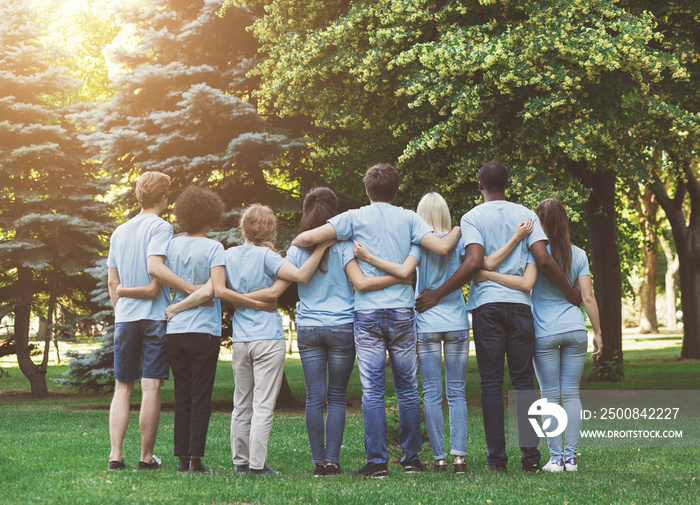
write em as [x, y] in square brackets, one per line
[559, 361]
[430, 361]
[376, 332]
[321, 348]
[500, 330]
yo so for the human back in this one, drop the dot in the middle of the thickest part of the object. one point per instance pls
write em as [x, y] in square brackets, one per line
[389, 231]
[492, 224]
[250, 268]
[433, 270]
[132, 242]
[191, 259]
[327, 298]
[552, 311]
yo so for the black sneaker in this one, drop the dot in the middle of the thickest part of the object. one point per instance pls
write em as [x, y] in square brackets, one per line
[116, 465]
[440, 466]
[266, 470]
[241, 468]
[374, 470]
[184, 464]
[532, 467]
[333, 469]
[319, 470]
[150, 466]
[196, 466]
[498, 467]
[413, 466]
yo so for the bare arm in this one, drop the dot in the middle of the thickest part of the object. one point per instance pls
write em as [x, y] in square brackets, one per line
[369, 283]
[272, 293]
[441, 245]
[521, 231]
[522, 283]
[222, 292]
[113, 283]
[289, 272]
[202, 295]
[551, 270]
[160, 272]
[403, 270]
[473, 261]
[316, 236]
[149, 291]
[589, 302]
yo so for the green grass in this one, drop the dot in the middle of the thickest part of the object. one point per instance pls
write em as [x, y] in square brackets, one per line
[55, 451]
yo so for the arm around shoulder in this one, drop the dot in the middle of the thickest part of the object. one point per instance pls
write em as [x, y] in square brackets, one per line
[441, 245]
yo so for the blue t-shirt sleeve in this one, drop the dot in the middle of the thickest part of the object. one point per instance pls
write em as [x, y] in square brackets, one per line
[342, 223]
[293, 256]
[216, 257]
[530, 259]
[159, 240]
[273, 262]
[461, 246]
[580, 261]
[347, 255]
[537, 231]
[415, 251]
[419, 228]
[470, 230]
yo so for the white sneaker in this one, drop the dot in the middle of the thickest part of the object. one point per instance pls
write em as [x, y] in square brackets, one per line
[570, 464]
[554, 465]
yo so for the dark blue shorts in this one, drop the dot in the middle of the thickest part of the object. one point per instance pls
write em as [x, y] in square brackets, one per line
[137, 340]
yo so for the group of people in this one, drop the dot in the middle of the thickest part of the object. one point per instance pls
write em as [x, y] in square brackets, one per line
[357, 302]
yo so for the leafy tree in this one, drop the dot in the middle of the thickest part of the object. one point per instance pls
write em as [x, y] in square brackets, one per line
[675, 169]
[568, 94]
[82, 29]
[50, 223]
[183, 107]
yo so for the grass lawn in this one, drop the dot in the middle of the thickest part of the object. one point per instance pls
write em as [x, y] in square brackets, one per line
[55, 451]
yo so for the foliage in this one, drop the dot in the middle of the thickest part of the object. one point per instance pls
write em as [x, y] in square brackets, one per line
[51, 226]
[82, 29]
[182, 107]
[572, 96]
[94, 371]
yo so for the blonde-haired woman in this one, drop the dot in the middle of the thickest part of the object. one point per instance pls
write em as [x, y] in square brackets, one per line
[442, 329]
[258, 339]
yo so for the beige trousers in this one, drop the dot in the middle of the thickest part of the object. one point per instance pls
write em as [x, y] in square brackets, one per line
[257, 372]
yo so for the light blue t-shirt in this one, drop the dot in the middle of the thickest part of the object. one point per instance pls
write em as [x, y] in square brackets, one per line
[326, 299]
[192, 258]
[249, 268]
[129, 248]
[433, 271]
[552, 311]
[492, 225]
[388, 231]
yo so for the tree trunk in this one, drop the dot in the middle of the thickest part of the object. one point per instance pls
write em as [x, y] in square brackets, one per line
[670, 280]
[605, 266]
[647, 292]
[49, 324]
[285, 397]
[36, 377]
[687, 239]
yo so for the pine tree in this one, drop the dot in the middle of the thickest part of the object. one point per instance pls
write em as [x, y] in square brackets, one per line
[51, 226]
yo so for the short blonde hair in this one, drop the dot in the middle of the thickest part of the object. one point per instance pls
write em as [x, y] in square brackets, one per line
[259, 225]
[433, 208]
[151, 187]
